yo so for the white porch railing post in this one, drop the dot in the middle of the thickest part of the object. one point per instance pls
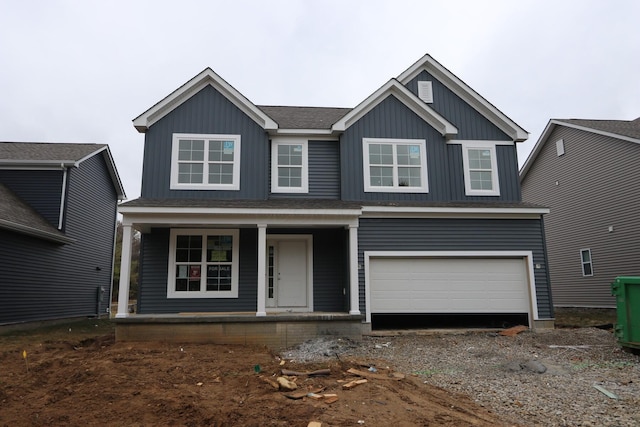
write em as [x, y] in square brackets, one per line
[125, 272]
[354, 293]
[262, 270]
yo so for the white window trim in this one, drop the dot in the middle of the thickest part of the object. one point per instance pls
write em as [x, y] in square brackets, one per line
[235, 253]
[424, 188]
[482, 145]
[175, 185]
[275, 188]
[582, 263]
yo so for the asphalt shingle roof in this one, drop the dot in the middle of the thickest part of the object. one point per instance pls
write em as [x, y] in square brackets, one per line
[39, 151]
[630, 128]
[304, 117]
[16, 215]
[318, 204]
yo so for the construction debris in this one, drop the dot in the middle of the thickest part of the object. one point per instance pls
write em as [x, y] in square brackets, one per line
[512, 332]
[376, 376]
[286, 384]
[309, 374]
[354, 383]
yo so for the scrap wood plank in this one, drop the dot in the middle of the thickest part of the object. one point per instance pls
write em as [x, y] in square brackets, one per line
[310, 373]
[512, 332]
[354, 383]
[374, 376]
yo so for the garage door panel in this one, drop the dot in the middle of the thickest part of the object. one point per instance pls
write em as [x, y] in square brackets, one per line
[448, 285]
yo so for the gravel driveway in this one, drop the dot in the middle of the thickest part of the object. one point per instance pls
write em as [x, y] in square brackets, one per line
[576, 377]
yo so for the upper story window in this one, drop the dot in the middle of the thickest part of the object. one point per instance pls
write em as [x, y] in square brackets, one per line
[587, 265]
[205, 162]
[480, 168]
[395, 165]
[289, 166]
[203, 264]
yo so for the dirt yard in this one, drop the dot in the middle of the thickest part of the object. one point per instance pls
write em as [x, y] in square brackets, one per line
[75, 374]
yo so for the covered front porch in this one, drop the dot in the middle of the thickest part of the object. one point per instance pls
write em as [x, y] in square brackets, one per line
[283, 274]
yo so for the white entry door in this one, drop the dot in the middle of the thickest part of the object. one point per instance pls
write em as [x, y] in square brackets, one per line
[288, 273]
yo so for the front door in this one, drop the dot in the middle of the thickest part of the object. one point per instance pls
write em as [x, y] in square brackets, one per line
[288, 273]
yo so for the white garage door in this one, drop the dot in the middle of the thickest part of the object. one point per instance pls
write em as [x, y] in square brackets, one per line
[448, 285]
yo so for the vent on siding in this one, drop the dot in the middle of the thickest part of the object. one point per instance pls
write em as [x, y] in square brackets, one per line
[425, 91]
[560, 147]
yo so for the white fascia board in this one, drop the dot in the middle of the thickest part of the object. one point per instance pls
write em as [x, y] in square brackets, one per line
[537, 148]
[53, 237]
[187, 90]
[393, 87]
[303, 132]
[415, 211]
[37, 164]
[111, 167]
[465, 92]
[236, 211]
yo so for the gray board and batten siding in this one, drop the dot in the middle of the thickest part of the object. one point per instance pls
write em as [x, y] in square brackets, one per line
[329, 267]
[441, 234]
[41, 280]
[392, 119]
[593, 186]
[324, 172]
[207, 112]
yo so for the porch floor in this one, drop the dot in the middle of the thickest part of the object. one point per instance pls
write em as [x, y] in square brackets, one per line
[275, 330]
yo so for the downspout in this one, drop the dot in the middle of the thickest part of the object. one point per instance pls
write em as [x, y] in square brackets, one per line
[63, 197]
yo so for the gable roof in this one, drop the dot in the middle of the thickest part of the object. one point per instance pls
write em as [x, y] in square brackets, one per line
[465, 92]
[626, 130]
[395, 88]
[205, 78]
[57, 155]
[16, 215]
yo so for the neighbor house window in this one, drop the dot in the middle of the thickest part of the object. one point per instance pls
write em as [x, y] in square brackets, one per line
[289, 166]
[480, 169]
[203, 264]
[395, 165]
[587, 265]
[205, 162]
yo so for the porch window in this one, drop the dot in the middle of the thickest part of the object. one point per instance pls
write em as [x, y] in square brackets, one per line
[203, 264]
[587, 265]
[395, 165]
[205, 162]
[289, 165]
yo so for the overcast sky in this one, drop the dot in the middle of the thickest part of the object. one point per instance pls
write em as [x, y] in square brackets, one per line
[80, 71]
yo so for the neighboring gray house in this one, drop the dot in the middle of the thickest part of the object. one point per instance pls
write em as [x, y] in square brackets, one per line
[587, 173]
[58, 205]
[294, 221]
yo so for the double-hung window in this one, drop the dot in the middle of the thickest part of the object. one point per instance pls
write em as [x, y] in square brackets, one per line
[395, 165]
[205, 162]
[289, 166]
[587, 264]
[480, 168]
[203, 264]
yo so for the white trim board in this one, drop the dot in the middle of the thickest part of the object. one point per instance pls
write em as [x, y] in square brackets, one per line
[526, 255]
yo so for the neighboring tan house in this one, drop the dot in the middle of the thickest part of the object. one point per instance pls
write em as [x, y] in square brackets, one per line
[587, 173]
[58, 206]
[274, 224]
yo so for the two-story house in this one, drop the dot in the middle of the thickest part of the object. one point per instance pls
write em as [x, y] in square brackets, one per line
[58, 206]
[586, 172]
[288, 222]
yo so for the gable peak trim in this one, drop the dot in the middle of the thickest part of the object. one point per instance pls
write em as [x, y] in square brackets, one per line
[206, 77]
[404, 95]
[464, 91]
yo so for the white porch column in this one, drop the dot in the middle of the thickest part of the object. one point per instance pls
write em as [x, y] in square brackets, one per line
[354, 293]
[262, 270]
[125, 270]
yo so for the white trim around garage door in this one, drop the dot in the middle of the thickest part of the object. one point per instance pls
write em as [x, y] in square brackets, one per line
[527, 256]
